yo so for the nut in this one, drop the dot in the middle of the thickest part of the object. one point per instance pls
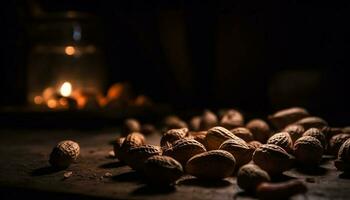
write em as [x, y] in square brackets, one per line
[183, 149]
[283, 190]
[162, 170]
[117, 146]
[199, 136]
[208, 120]
[148, 129]
[254, 144]
[316, 133]
[64, 153]
[195, 123]
[239, 149]
[329, 132]
[336, 142]
[295, 131]
[173, 135]
[283, 140]
[132, 140]
[243, 133]
[130, 126]
[312, 122]
[272, 158]
[215, 164]
[232, 119]
[308, 151]
[250, 176]
[217, 135]
[346, 129]
[137, 155]
[343, 161]
[260, 130]
[285, 117]
[174, 122]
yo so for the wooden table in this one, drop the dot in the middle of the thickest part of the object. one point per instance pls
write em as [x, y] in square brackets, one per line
[24, 173]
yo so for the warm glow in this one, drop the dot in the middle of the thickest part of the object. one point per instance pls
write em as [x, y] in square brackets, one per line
[52, 103]
[63, 102]
[66, 89]
[38, 100]
[69, 50]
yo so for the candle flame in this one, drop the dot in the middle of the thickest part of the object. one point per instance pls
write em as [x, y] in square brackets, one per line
[69, 50]
[66, 89]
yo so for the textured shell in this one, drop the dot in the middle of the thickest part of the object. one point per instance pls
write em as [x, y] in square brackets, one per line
[250, 176]
[260, 130]
[295, 131]
[64, 153]
[232, 119]
[208, 120]
[285, 117]
[215, 164]
[243, 133]
[132, 140]
[344, 152]
[172, 135]
[283, 140]
[117, 146]
[138, 154]
[308, 151]
[217, 135]
[183, 149]
[316, 133]
[162, 170]
[174, 122]
[312, 122]
[199, 136]
[254, 144]
[336, 142]
[239, 149]
[272, 158]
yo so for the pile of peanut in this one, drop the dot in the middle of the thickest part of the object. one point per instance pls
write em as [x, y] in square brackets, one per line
[214, 146]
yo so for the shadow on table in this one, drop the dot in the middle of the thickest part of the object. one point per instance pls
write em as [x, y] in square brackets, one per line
[131, 176]
[205, 183]
[44, 171]
[344, 175]
[242, 194]
[112, 165]
[152, 190]
[317, 171]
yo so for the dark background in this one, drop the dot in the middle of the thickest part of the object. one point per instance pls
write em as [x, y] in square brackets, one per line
[258, 56]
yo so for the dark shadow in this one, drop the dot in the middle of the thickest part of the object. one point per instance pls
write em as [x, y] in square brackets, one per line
[344, 175]
[131, 176]
[327, 158]
[244, 194]
[316, 171]
[205, 183]
[112, 165]
[281, 178]
[153, 189]
[44, 171]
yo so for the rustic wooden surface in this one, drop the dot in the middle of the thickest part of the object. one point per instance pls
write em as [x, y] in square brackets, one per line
[24, 172]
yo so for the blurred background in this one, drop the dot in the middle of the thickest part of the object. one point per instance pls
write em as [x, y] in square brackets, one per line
[184, 55]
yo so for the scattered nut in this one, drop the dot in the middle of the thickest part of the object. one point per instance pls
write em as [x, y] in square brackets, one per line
[217, 135]
[240, 151]
[208, 120]
[295, 131]
[336, 142]
[343, 161]
[316, 133]
[174, 122]
[312, 122]
[308, 151]
[173, 135]
[130, 125]
[199, 136]
[232, 119]
[283, 190]
[254, 145]
[250, 176]
[137, 155]
[260, 130]
[272, 158]
[195, 123]
[148, 129]
[67, 174]
[243, 133]
[64, 153]
[162, 170]
[288, 116]
[215, 164]
[283, 140]
[132, 140]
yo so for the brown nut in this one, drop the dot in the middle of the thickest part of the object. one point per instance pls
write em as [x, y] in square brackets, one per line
[283, 190]
[329, 132]
[250, 176]
[215, 164]
[137, 155]
[346, 129]
[130, 126]
[295, 131]
[260, 130]
[173, 135]
[208, 120]
[254, 145]
[199, 136]
[117, 146]
[132, 140]
[343, 161]
[312, 122]
[308, 151]
[64, 153]
[148, 129]
[243, 133]
[283, 140]
[195, 123]
[336, 142]
[239, 149]
[173, 122]
[217, 135]
[316, 133]
[272, 158]
[162, 170]
[287, 116]
[232, 119]
[184, 149]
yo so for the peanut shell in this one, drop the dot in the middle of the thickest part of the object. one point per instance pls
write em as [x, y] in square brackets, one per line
[217, 135]
[287, 116]
[308, 151]
[243, 133]
[283, 140]
[137, 155]
[240, 151]
[232, 119]
[250, 176]
[64, 153]
[260, 130]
